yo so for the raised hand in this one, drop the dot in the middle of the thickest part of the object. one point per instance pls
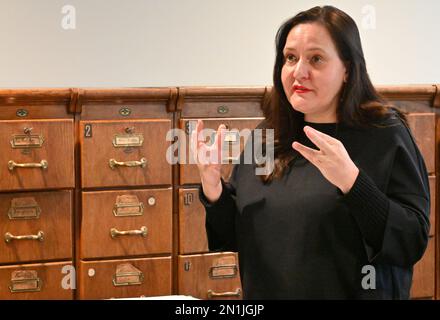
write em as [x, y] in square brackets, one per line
[208, 160]
[332, 159]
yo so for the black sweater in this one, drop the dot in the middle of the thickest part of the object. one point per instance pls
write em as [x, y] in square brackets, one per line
[300, 237]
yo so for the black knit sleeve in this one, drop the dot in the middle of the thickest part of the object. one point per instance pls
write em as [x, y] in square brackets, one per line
[220, 217]
[394, 223]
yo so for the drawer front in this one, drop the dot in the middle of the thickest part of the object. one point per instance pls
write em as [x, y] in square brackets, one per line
[144, 110]
[423, 128]
[35, 226]
[124, 153]
[189, 173]
[45, 111]
[125, 278]
[432, 214]
[36, 154]
[423, 285]
[49, 281]
[222, 109]
[192, 232]
[210, 276]
[126, 222]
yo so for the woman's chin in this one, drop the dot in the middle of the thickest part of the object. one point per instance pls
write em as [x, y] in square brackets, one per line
[299, 106]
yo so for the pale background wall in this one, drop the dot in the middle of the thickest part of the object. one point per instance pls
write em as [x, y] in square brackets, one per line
[197, 42]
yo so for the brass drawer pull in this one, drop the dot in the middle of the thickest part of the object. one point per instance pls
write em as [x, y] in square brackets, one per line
[12, 164]
[141, 232]
[213, 294]
[113, 163]
[39, 236]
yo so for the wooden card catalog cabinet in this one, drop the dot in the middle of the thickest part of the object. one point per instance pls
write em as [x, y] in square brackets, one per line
[123, 144]
[96, 170]
[36, 193]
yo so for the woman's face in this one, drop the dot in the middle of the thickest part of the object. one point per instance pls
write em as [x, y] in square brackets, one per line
[313, 73]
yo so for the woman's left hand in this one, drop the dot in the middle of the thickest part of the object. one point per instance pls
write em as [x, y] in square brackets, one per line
[331, 159]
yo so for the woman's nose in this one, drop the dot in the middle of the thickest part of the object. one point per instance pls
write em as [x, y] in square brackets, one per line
[301, 70]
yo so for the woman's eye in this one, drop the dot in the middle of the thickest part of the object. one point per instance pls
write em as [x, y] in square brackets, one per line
[316, 59]
[290, 58]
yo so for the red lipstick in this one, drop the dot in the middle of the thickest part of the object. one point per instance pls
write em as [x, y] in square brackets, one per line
[300, 89]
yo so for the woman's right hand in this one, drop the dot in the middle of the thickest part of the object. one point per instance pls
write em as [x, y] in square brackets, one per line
[208, 160]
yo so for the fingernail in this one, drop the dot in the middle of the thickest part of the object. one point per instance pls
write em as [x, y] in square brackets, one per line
[310, 129]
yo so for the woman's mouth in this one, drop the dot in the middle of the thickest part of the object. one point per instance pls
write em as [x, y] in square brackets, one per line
[300, 89]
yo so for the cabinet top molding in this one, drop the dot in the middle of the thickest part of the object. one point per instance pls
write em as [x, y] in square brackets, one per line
[74, 98]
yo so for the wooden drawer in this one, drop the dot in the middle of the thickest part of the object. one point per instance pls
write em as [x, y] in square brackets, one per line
[124, 111]
[48, 281]
[124, 153]
[423, 128]
[222, 109]
[432, 213]
[192, 232]
[423, 285]
[46, 147]
[189, 173]
[210, 276]
[44, 111]
[125, 278]
[45, 215]
[221, 102]
[149, 211]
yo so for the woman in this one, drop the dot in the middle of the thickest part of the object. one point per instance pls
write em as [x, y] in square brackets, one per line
[345, 212]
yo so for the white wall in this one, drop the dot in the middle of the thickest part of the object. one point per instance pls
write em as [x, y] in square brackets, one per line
[196, 42]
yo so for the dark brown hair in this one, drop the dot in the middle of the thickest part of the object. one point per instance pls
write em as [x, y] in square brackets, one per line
[360, 104]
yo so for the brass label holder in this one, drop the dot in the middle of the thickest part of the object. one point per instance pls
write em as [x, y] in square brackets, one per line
[25, 281]
[128, 140]
[224, 267]
[25, 141]
[24, 209]
[223, 272]
[127, 275]
[128, 206]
